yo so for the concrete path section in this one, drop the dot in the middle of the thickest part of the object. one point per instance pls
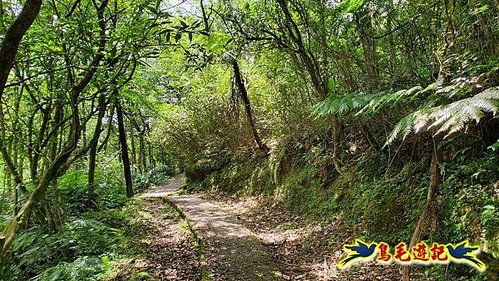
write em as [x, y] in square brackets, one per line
[231, 251]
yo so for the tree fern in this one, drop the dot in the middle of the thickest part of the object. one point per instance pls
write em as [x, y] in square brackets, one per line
[387, 100]
[364, 103]
[339, 105]
[449, 118]
[443, 119]
[408, 124]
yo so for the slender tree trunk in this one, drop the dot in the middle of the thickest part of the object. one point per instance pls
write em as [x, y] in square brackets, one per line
[369, 138]
[124, 150]
[36, 147]
[430, 207]
[103, 145]
[92, 159]
[16, 201]
[247, 106]
[84, 140]
[10, 166]
[369, 49]
[51, 203]
[143, 152]
[134, 150]
[93, 148]
[152, 161]
[13, 37]
[19, 186]
[9, 152]
[57, 207]
[205, 17]
[337, 131]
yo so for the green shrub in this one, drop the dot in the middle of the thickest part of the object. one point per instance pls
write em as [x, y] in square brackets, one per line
[35, 252]
[154, 177]
[84, 268]
[73, 189]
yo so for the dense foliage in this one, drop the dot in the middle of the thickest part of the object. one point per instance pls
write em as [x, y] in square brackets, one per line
[380, 114]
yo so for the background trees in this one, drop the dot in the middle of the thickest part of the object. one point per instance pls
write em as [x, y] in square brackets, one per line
[13, 37]
[366, 106]
[69, 69]
[385, 108]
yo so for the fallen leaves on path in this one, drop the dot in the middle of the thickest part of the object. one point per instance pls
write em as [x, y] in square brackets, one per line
[170, 251]
[303, 250]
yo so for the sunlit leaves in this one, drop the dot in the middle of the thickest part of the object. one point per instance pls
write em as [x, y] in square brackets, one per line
[450, 118]
[364, 103]
[338, 105]
[350, 6]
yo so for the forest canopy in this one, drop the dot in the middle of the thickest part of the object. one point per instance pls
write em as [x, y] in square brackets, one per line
[380, 116]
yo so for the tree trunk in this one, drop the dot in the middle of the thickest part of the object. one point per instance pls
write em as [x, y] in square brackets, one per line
[430, 207]
[103, 145]
[142, 148]
[13, 38]
[10, 166]
[247, 106]
[124, 150]
[369, 49]
[152, 161]
[51, 204]
[91, 170]
[93, 148]
[134, 151]
[337, 131]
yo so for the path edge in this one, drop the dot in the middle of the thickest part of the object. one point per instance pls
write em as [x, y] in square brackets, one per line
[204, 272]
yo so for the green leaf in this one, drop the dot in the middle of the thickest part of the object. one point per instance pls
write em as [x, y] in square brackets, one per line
[495, 146]
[350, 6]
[343, 104]
[449, 118]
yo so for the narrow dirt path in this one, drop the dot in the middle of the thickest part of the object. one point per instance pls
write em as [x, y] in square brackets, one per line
[303, 250]
[170, 250]
[167, 248]
[231, 251]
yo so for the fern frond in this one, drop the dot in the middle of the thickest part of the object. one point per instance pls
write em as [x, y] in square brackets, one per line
[340, 105]
[403, 128]
[491, 93]
[390, 100]
[449, 118]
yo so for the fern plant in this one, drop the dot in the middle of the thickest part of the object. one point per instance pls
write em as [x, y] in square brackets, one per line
[434, 114]
[343, 104]
[367, 103]
[449, 118]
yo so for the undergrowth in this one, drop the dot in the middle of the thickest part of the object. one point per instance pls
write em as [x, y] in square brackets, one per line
[376, 201]
[96, 234]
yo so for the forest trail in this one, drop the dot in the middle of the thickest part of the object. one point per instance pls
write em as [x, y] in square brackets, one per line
[230, 250]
